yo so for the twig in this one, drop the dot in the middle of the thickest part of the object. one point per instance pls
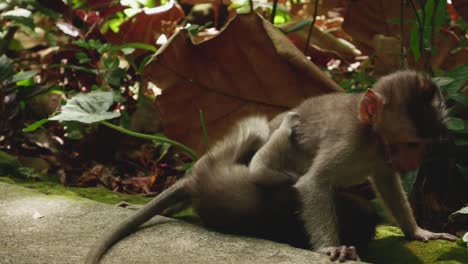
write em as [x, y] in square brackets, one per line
[251, 6]
[160, 139]
[309, 34]
[402, 33]
[273, 11]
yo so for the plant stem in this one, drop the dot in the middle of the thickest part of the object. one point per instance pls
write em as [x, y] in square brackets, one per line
[251, 6]
[273, 11]
[402, 33]
[204, 130]
[159, 139]
[309, 34]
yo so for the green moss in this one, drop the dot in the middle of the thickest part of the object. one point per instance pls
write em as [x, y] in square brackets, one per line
[48, 186]
[390, 246]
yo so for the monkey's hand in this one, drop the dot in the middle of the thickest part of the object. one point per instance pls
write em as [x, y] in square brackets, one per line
[426, 235]
[342, 253]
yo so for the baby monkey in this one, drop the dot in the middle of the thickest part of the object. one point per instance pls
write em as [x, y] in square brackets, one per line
[238, 186]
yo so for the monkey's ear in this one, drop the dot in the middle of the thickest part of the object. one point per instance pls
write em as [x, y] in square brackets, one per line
[370, 107]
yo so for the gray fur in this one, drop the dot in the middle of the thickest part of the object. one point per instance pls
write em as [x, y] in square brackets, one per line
[238, 185]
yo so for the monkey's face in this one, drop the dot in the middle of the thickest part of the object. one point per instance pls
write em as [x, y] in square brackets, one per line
[412, 117]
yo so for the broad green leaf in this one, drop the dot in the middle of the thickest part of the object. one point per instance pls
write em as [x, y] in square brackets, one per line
[460, 98]
[443, 81]
[87, 108]
[111, 62]
[460, 76]
[457, 125]
[35, 125]
[21, 76]
[114, 78]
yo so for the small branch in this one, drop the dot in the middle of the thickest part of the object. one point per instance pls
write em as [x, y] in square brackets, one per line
[402, 33]
[309, 34]
[186, 149]
[273, 11]
[251, 6]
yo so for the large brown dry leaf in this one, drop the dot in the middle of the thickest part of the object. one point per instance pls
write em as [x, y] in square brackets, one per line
[250, 67]
[366, 18]
[148, 25]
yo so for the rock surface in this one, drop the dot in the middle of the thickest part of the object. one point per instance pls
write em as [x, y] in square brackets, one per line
[37, 228]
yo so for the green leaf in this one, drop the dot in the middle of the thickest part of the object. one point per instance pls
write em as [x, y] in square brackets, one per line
[443, 81]
[26, 21]
[22, 76]
[35, 125]
[7, 160]
[460, 76]
[111, 62]
[87, 108]
[82, 57]
[460, 98]
[6, 69]
[114, 78]
[299, 26]
[457, 125]
[25, 83]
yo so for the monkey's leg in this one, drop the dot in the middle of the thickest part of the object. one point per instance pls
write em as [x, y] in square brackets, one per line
[318, 207]
[267, 165]
[357, 220]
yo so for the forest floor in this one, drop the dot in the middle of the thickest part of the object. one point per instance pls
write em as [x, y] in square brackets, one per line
[53, 224]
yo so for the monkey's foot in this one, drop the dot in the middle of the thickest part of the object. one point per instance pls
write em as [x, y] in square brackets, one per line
[291, 120]
[341, 253]
[426, 235]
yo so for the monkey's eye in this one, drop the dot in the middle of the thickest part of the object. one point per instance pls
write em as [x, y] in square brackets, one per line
[412, 145]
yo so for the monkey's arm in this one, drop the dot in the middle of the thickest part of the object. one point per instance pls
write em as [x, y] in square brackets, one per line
[388, 185]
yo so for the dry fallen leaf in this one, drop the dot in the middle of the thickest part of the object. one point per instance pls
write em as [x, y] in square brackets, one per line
[366, 18]
[148, 25]
[249, 68]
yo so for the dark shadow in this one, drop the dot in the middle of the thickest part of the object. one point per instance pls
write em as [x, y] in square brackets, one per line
[459, 254]
[390, 250]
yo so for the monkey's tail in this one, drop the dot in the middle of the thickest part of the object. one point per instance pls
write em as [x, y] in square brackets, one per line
[174, 194]
[247, 137]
